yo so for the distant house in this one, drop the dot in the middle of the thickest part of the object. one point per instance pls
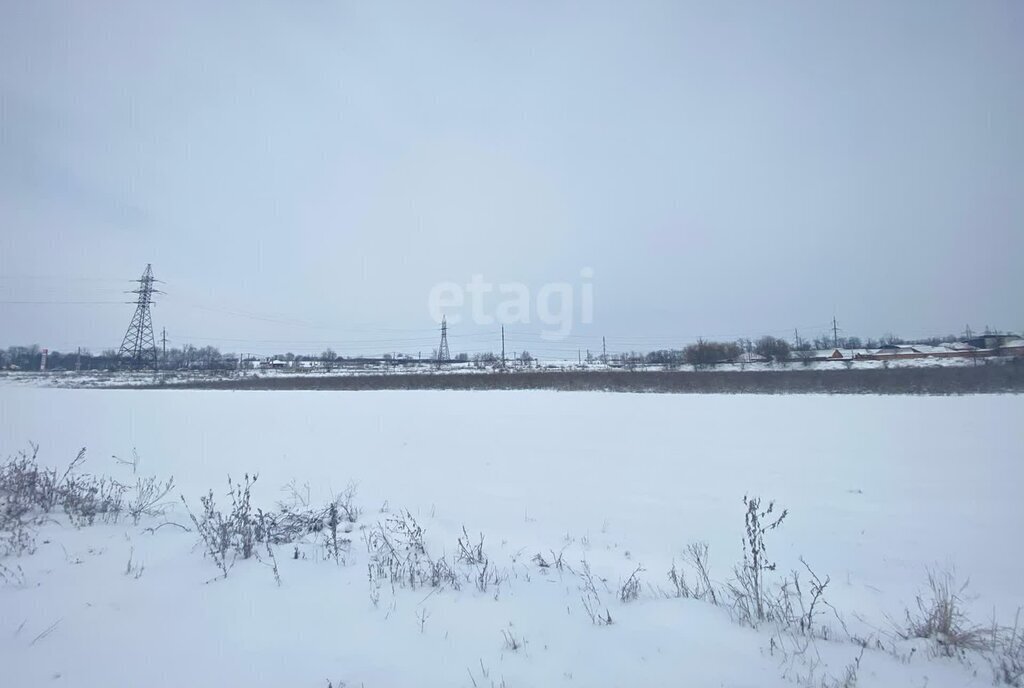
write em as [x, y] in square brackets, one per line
[947, 350]
[1012, 347]
[992, 341]
[834, 354]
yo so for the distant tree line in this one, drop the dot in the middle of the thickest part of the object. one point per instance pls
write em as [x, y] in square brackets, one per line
[702, 353]
[186, 358]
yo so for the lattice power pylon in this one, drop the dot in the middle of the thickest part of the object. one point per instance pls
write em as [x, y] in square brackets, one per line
[443, 354]
[138, 349]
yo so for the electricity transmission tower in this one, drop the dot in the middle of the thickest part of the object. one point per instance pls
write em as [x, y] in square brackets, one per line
[138, 349]
[443, 354]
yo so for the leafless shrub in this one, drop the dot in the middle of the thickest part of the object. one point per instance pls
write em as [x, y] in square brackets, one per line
[88, 498]
[408, 532]
[213, 530]
[487, 576]
[294, 520]
[470, 553]
[333, 544]
[591, 598]
[630, 589]
[1008, 659]
[678, 579]
[231, 534]
[149, 495]
[443, 575]
[26, 487]
[237, 533]
[17, 537]
[697, 556]
[28, 491]
[398, 555]
[346, 504]
[261, 519]
[940, 616]
[748, 590]
[815, 605]
[556, 562]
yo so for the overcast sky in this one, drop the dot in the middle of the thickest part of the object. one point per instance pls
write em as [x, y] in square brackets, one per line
[302, 174]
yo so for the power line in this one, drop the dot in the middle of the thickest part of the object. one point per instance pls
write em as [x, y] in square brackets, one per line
[40, 302]
[65, 278]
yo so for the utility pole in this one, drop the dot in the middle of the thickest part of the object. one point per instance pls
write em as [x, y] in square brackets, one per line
[164, 338]
[579, 356]
[502, 346]
[604, 351]
[796, 339]
[835, 333]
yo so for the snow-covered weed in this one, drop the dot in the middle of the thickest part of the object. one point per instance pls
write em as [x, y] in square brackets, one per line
[512, 643]
[696, 556]
[30, 494]
[470, 553]
[749, 590]
[1008, 656]
[28, 490]
[591, 599]
[940, 616]
[238, 532]
[630, 589]
[14, 576]
[149, 496]
[557, 561]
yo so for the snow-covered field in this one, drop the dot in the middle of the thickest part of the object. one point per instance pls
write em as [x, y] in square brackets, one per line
[879, 489]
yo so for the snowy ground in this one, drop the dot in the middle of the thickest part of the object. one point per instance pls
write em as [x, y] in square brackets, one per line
[878, 489]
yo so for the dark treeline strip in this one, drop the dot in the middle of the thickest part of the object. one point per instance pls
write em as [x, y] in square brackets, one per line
[994, 377]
